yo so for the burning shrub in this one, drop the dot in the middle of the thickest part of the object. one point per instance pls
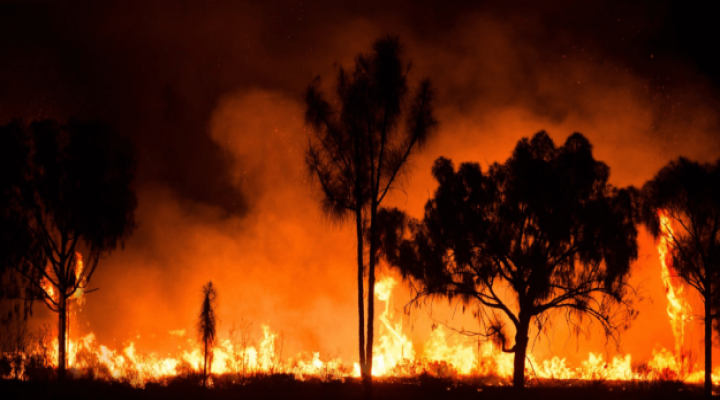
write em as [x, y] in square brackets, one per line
[38, 369]
[6, 366]
[441, 369]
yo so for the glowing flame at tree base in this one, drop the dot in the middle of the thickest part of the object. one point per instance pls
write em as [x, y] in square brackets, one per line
[439, 358]
[395, 356]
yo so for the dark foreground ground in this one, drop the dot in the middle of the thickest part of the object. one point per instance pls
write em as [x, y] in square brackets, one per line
[285, 388]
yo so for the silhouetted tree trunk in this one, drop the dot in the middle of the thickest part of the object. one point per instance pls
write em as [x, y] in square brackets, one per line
[361, 291]
[521, 342]
[62, 336]
[205, 365]
[708, 339]
[371, 296]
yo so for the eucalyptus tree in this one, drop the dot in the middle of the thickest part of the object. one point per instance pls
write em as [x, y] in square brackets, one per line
[541, 233]
[362, 138]
[682, 202]
[73, 196]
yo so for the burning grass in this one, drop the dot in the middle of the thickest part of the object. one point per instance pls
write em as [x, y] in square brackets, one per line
[238, 360]
[441, 365]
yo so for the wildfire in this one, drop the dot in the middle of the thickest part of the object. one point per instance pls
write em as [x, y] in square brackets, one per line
[394, 349]
[79, 293]
[444, 354]
[678, 308]
[87, 357]
[49, 288]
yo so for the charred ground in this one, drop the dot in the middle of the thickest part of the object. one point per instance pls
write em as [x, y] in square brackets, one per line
[281, 386]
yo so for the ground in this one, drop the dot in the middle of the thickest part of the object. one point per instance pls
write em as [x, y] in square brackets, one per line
[284, 387]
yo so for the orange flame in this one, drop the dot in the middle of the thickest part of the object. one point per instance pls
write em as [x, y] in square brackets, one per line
[444, 354]
[393, 348]
[678, 308]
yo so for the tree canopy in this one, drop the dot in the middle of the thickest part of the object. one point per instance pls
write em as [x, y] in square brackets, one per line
[545, 224]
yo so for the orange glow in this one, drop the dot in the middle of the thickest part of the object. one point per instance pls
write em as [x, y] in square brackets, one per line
[79, 293]
[139, 369]
[212, 99]
[678, 308]
[48, 288]
[444, 353]
[395, 355]
[393, 349]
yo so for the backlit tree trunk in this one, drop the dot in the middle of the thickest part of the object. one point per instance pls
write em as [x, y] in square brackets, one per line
[62, 335]
[521, 342]
[371, 298]
[361, 292]
[205, 367]
[708, 337]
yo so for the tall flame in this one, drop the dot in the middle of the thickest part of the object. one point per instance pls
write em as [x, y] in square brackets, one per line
[678, 308]
[393, 347]
[80, 292]
[444, 354]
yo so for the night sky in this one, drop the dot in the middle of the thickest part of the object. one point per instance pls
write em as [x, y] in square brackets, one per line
[211, 95]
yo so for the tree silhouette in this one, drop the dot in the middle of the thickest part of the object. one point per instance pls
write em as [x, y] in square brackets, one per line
[540, 234]
[73, 197]
[361, 144]
[206, 326]
[685, 196]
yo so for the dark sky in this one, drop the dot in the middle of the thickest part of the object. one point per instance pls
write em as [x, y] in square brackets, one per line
[157, 69]
[211, 94]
